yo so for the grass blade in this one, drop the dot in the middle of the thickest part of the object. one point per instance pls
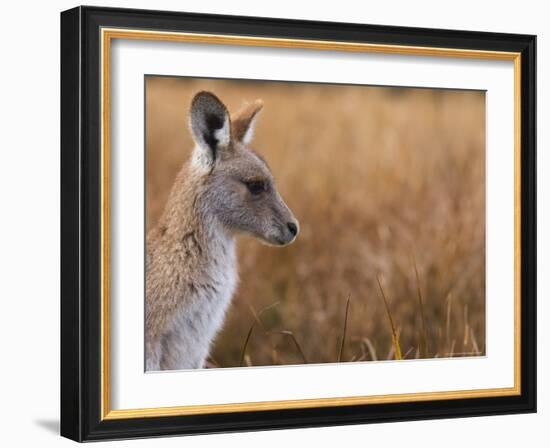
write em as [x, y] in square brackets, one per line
[256, 317]
[370, 348]
[291, 335]
[408, 352]
[341, 351]
[421, 305]
[245, 345]
[448, 323]
[474, 343]
[395, 338]
[466, 328]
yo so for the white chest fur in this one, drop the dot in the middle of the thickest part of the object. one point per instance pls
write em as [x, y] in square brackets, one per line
[201, 313]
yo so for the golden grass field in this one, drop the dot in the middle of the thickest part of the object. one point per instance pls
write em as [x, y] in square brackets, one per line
[389, 187]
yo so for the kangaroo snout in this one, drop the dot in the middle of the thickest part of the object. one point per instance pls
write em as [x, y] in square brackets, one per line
[285, 226]
[289, 232]
[293, 228]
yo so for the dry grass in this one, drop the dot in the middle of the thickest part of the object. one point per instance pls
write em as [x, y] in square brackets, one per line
[387, 184]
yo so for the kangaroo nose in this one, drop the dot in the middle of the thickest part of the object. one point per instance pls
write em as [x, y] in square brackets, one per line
[292, 228]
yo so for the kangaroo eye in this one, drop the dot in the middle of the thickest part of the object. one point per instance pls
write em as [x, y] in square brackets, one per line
[256, 187]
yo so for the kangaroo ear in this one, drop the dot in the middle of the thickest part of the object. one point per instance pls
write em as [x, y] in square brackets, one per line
[244, 121]
[210, 125]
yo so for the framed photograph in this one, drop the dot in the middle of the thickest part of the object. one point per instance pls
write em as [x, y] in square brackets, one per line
[275, 224]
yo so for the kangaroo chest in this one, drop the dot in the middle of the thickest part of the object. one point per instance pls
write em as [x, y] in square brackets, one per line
[208, 297]
[205, 297]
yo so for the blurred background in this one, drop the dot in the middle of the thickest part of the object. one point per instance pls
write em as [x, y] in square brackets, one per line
[389, 187]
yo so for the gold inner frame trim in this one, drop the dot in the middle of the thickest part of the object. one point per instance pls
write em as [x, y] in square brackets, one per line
[107, 35]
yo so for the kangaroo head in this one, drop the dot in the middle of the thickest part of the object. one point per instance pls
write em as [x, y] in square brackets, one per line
[237, 187]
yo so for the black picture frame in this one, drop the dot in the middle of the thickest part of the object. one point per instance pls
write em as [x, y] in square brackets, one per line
[81, 224]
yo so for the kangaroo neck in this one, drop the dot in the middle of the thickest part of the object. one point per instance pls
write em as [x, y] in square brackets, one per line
[187, 224]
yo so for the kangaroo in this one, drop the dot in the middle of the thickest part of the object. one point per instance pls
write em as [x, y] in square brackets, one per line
[226, 189]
